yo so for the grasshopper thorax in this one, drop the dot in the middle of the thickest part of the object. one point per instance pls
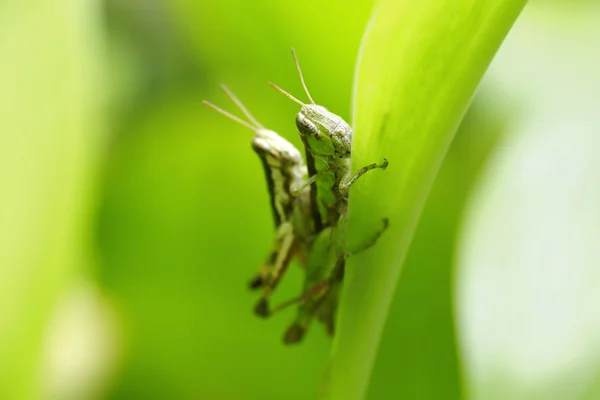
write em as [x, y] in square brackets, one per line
[323, 132]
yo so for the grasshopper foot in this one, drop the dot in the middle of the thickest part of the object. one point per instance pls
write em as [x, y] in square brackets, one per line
[294, 334]
[257, 282]
[262, 308]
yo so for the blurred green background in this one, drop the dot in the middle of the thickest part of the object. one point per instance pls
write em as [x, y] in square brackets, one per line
[132, 217]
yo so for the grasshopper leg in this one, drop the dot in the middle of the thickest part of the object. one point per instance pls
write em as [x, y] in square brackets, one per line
[315, 290]
[295, 333]
[261, 278]
[261, 308]
[344, 187]
[297, 189]
[324, 308]
[274, 268]
[320, 302]
[257, 282]
[371, 241]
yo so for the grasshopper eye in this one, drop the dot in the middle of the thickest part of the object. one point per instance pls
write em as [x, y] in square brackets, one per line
[305, 126]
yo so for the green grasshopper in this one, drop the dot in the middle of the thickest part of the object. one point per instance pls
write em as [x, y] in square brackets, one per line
[285, 173]
[327, 140]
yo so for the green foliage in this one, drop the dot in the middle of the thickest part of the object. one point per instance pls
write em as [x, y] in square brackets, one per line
[409, 98]
[50, 122]
[180, 219]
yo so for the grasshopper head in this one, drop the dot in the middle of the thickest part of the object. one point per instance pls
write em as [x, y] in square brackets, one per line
[276, 150]
[323, 132]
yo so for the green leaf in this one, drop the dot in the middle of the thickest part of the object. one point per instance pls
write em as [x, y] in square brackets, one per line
[419, 66]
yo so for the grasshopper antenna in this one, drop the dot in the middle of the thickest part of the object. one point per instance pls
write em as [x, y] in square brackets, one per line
[301, 77]
[230, 116]
[286, 94]
[241, 106]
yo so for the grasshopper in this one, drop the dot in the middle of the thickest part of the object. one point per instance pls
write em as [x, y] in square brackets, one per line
[285, 173]
[327, 140]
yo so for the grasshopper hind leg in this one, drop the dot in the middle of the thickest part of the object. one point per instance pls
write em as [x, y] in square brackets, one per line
[328, 310]
[323, 308]
[260, 280]
[274, 268]
[295, 333]
[267, 268]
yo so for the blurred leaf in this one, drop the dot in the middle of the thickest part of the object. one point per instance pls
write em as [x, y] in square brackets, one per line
[249, 42]
[528, 282]
[409, 99]
[49, 148]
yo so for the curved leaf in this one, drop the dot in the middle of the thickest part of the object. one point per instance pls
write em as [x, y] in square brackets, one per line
[419, 66]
